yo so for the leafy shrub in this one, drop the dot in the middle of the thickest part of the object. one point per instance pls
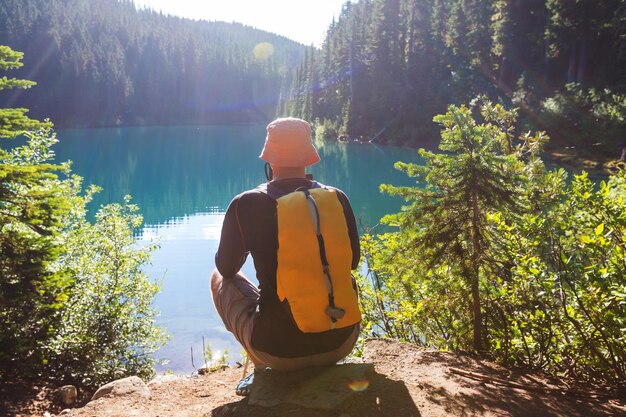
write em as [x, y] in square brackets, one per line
[107, 328]
[75, 304]
[562, 307]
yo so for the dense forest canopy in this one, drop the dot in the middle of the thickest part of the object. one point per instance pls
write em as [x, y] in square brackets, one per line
[387, 67]
[106, 63]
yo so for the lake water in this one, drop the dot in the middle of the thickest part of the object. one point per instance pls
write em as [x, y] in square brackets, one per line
[183, 178]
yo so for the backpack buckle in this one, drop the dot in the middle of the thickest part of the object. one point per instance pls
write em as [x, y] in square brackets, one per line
[335, 313]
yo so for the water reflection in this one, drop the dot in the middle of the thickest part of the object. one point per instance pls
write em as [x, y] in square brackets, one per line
[170, 171]
[184, 261]
[359, 170]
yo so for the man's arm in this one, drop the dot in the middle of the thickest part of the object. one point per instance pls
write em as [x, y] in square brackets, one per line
[355, 242]
[232, 251]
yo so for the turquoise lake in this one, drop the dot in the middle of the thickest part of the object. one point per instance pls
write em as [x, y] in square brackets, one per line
[183, 178]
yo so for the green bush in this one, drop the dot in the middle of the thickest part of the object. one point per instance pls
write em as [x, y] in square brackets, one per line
[75, 304]
[107, 328]
[494, 242]
[562, 305]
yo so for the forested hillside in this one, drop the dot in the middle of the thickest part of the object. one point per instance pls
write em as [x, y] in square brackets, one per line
[388, 66]
[105, 63]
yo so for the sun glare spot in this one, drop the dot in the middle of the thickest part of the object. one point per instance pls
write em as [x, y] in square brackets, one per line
[359, 386]
[263, 50]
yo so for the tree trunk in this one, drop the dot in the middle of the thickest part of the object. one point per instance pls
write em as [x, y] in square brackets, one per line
[571, 69]
[582, 61]
[477, 343]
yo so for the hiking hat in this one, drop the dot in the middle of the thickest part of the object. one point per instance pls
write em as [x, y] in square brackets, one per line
[288, 144]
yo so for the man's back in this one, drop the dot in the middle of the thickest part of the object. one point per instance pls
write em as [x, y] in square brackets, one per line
[250, 226]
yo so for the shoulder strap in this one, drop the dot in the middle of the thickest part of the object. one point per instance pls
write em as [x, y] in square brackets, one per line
[332, 310]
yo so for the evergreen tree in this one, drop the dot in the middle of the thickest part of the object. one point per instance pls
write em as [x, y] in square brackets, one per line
[74, 304]
[14, 122]
[477, 172]
[32, 207]
[389, 66]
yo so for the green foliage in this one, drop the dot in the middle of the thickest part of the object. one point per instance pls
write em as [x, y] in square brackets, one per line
[563, 303]
[107, 328]
[401, 297]
[542, 260]
[326, 130]
[33, 205]
[74, 302]
[214, 363]
[14, 122]
[477, 172]
[593, 118]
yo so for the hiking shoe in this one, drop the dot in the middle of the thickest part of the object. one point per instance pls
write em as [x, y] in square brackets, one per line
[244, 386]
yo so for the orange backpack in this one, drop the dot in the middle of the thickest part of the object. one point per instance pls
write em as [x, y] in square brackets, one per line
[314, 260]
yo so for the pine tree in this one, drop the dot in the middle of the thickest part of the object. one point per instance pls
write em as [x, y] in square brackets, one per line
[32, 206]
[14, 122]
[476, 172]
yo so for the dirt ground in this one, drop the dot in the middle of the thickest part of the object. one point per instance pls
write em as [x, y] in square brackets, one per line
[407, 381]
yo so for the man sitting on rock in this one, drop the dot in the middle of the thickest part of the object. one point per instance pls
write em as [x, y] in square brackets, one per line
[303, 239]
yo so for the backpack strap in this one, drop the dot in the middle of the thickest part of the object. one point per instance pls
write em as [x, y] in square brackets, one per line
[332, 310]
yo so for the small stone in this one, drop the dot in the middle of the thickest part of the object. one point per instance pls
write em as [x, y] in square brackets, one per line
[65, 412]
[68, 394]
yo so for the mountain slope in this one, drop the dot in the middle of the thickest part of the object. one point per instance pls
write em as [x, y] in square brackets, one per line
[106, 63]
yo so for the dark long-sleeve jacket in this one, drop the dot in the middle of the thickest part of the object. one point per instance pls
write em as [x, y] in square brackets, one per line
[250, 227]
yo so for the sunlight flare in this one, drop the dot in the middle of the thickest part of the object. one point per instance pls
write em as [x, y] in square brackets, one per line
[359, 385]
[263, 51]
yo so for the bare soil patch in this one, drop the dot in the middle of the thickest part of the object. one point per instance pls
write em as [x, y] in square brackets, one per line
[407, 381]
